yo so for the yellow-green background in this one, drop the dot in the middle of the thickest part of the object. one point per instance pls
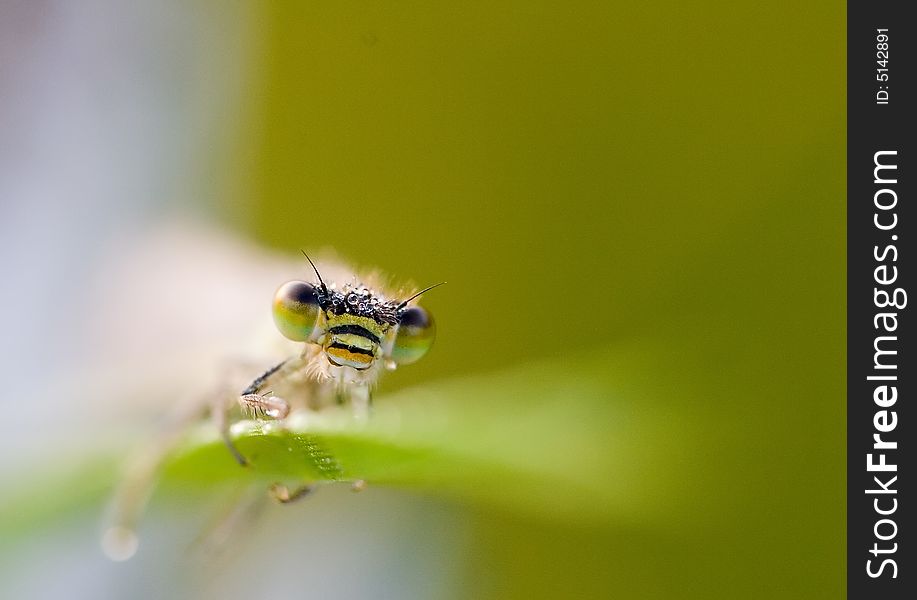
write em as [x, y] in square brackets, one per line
[637, 389]
[661, 177]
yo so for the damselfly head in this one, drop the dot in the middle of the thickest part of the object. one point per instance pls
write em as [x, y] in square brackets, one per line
[355, 325]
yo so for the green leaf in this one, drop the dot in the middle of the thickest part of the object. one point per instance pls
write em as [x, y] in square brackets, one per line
[556, 442]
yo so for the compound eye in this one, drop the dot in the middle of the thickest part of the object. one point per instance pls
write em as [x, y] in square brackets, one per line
[296, 310]
[416, 332]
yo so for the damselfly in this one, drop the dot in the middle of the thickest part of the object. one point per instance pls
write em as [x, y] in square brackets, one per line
[352, 329]
[351, 334]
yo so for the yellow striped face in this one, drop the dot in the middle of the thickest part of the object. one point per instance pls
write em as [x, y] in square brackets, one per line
[353, 340]
[356, 320]
[355, 325]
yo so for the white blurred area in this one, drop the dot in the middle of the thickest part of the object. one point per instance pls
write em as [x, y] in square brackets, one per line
[120, 297]
[108, 112]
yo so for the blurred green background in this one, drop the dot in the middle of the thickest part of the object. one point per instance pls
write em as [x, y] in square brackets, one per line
[662, 179]
[645, 199]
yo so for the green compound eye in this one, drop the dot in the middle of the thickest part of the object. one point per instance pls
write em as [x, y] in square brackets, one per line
[415, 336]
[296, 310]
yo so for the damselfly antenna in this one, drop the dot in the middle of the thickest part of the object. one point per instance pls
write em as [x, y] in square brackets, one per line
[317, 274]
[403, 304]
